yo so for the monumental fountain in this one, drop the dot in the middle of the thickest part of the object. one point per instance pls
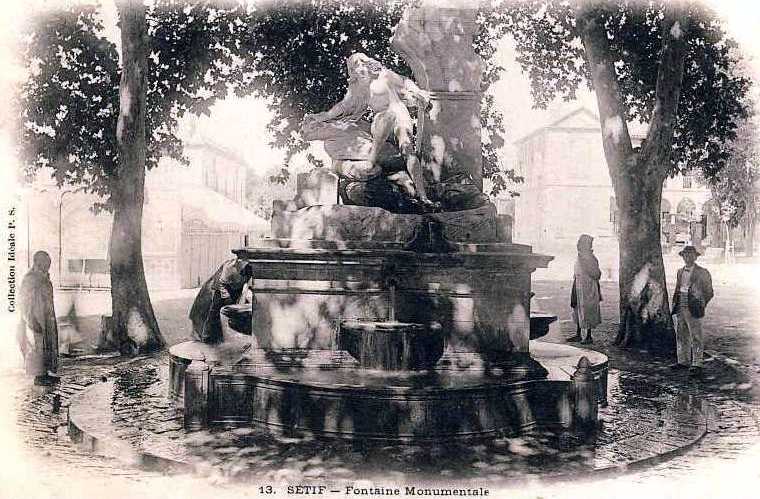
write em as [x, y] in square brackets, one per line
[402, 313]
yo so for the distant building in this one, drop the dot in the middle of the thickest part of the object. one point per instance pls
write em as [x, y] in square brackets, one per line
[193, 216]
[567, 192]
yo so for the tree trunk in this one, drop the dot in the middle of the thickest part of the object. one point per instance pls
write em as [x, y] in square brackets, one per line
[728, 250]
[637, 175]
[135, 326]
[750, 240]
[639, 242]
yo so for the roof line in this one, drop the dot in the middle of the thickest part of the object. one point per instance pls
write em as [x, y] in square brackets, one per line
[553, 124]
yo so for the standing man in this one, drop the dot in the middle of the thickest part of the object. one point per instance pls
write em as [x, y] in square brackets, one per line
[692, 294]
[38, 317]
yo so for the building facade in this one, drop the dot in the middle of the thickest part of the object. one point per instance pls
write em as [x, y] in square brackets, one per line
[567, 192]
[193, 215]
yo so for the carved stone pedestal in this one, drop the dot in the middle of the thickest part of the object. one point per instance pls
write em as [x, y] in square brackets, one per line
[366, 223]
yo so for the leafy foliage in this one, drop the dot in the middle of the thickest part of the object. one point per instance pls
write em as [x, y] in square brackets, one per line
[735, 188]
[299, 49]
[70, 105]
[712, 96]
[292, 53]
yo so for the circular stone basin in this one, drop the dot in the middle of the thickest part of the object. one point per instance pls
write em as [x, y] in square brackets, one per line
[391, 346]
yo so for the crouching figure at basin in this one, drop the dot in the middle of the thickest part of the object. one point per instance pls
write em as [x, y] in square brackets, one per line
[223, 288]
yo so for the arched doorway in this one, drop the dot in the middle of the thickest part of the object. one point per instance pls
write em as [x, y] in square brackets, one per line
[713, 231]
[686, 209]
[682, 225]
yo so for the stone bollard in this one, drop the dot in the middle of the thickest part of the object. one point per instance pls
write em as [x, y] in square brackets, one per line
[196, 395]
[586, 407]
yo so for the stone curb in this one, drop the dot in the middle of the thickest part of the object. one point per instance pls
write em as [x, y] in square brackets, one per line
[645, 442]
[655, 457]
[87, 431]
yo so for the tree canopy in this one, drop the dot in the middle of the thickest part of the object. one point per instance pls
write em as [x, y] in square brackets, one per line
[713, 98]
[735, 188]
[292, 53]
[69, 106]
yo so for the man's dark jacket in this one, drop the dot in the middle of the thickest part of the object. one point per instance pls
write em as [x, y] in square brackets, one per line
[700, 291]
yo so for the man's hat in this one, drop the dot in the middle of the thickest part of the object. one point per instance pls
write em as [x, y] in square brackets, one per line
[689, 249]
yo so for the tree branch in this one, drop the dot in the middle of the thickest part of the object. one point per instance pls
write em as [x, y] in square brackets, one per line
[657, 148]
[616, 139]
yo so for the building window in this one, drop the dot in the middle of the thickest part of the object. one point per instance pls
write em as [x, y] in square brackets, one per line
[88, 265]
[688, 181]
[614, 214]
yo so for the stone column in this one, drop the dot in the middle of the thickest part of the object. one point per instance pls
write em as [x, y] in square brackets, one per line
[435, 39]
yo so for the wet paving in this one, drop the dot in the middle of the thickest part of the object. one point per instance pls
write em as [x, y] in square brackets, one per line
[639, 417]
[730, 388]
[140, 414]
[41, 421]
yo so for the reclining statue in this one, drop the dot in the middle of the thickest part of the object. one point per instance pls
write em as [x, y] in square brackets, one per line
[377, 163]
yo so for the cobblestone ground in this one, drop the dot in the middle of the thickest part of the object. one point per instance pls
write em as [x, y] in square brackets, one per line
[640, 414]
[730, 385]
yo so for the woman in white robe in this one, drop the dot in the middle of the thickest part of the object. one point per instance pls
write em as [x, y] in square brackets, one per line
[586, 294]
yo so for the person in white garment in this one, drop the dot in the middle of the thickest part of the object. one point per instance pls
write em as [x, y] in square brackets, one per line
[586, 292]
[692, 294]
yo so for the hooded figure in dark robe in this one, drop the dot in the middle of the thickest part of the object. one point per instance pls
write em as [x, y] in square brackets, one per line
[586, 292]
[223, 288]
[38, 321]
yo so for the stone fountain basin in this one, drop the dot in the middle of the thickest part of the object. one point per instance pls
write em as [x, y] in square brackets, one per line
[539, 324]
[391, 345]
[324, 393]
[238, 318]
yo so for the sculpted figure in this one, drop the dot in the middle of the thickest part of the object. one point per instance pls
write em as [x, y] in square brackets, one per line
[362, 156]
